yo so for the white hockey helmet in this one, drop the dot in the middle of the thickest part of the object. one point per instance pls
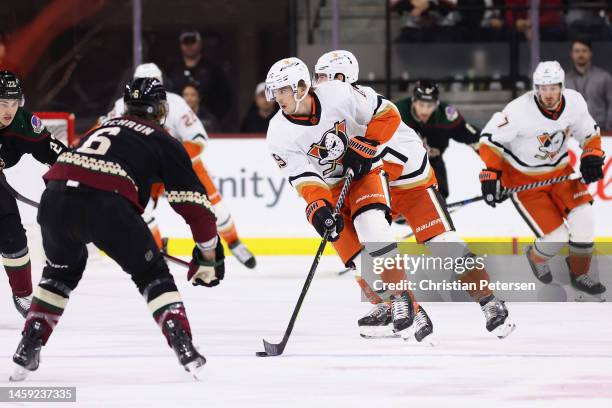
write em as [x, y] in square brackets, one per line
[148, 70]
[338, 62]
[548, 73]
[287, 72]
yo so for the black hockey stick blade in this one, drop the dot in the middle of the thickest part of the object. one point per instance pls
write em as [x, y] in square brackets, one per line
[274, 349]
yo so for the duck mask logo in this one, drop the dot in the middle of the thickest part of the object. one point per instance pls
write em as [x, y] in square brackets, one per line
[331, 147]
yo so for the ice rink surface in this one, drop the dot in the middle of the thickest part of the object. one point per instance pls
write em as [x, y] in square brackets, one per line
[108, 346]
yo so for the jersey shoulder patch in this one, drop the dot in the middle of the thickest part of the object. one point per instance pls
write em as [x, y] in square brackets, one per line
[37, 124]
[451, 113]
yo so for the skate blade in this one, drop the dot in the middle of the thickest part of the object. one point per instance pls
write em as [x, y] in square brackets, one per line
[586, 297]
[406, 334]
[195, 368]
[377, 332]
[429, 340]
[19, 374]
[503, 330]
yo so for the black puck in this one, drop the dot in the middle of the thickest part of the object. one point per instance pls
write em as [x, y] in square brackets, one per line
[262, 354]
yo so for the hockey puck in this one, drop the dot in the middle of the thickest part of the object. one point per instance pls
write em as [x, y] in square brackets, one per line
[262, 354]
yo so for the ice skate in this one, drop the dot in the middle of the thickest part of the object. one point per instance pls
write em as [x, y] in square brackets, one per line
[377, 323]
[184, 349]
[22, 304]
[27, 356]
[540, 270]
[242, 253]
[496, 314]
[588, 290]
[423, 328]
[402, 313]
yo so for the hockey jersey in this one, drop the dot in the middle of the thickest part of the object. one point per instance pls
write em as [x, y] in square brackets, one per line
[27, 134]
[125, 156]
[309, 149]
[526, 139]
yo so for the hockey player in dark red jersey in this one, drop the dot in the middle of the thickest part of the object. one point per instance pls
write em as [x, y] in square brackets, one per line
[96, 194]
[21, 132]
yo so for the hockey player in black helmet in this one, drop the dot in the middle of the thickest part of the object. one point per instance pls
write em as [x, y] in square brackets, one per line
[437, 122]
[96, 194]
[21, 132]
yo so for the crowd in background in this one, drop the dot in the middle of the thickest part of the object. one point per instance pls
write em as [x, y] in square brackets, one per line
[494, 20]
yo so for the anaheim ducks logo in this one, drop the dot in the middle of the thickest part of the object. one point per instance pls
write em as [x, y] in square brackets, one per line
[331, 147]
[551, 144]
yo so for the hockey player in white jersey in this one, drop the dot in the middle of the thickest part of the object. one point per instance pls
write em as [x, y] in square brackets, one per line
[527, 142]
[414, 195]
[183, 124]
[314, 138]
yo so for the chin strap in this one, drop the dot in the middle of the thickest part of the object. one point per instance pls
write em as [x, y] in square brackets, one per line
[298, 101]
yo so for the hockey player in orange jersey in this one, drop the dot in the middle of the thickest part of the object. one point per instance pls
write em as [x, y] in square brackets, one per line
[415, 196]
[527, 142]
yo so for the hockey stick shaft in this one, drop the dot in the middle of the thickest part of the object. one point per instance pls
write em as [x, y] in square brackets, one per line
[4, 183]
[277, 349]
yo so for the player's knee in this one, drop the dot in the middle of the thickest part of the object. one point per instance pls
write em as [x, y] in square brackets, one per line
[581, 222]
[12, 235]
[69, 274]
[448, 244]
[372, 225]
[158, 269]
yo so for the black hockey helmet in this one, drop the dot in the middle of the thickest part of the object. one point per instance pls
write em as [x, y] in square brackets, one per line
[146, 98]
[426, 90]
[10, 86]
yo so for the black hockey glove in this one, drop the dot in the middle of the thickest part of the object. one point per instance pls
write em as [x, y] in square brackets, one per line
[207, 272]
[491, 187]
[359, 155]
[320, 215]
[591, 164]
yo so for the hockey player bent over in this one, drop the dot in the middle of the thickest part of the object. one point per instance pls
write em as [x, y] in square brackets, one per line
[527, 142]
[96, 194]
[21, 132]
[415, 196]
[316, 136]
[186, 127]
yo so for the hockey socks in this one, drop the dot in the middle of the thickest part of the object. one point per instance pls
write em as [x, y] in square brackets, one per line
[19, 271]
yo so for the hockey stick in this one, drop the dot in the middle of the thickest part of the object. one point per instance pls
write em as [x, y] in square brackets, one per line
[4, 183]
[14, 193]
[458, 204]
[272, 349]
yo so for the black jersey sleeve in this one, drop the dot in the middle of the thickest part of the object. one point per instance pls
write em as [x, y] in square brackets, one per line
[464, 132]
[48, 149]
[186, 194]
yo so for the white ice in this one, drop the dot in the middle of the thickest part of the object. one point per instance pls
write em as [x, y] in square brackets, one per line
[108, 346]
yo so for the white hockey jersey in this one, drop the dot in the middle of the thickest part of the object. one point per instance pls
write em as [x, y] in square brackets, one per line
[404, 156]
[309, 150]
[181, 122]
[532, 140]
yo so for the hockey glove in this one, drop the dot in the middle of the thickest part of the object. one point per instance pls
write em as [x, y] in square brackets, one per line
[591, 164]
[359, 155]
[320, 215]
[207, 272]
[491, 187]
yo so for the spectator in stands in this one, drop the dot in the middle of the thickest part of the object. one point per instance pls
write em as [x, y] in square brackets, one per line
[260, 112]
[550, 18]
[594, 83]
[586, 22]
[191, 95]
[196, 69]
[481, 20]
[424, 19]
